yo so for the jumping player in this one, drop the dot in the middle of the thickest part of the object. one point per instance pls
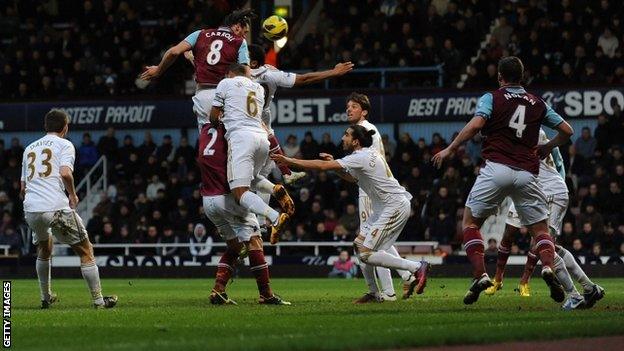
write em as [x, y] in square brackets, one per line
[510, 118]
[551, 178]
[47, 172]
[389, 200]
[237, 103]
[236, 225]
[214, 50]
[358, 110]
[271, 78]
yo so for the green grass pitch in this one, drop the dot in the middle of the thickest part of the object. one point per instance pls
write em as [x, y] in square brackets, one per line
[175, 314]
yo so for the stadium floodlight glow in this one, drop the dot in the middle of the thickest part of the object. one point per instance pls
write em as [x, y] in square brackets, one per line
[279, 44]
[282, 11]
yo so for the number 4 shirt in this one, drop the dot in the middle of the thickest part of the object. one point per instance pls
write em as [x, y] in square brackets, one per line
[41, 173]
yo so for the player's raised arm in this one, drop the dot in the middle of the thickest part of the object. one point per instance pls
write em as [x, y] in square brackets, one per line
[170, 56]
[313, 77]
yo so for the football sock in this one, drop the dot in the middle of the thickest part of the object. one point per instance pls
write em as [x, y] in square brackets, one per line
[43, 272]
[274, 148]
[405, 275]
[529, 267]
[91, 275]
[384, 259]
[384, 276]
[266, 197]
[473, 244]
[254, 203]
[225, 269]
[260, 270]
[263, 185]
[501, 260]
[545, 248]
[563, 276]
[368, 271]
[574, 269]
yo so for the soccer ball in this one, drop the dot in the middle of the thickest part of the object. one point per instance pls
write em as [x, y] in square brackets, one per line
[274, 28]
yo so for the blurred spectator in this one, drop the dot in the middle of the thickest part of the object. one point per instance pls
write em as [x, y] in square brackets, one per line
[201, 242]
[291, 148]
[87, 154]
[343, 267]
[309, 147]
[594, 256]
[586, 144]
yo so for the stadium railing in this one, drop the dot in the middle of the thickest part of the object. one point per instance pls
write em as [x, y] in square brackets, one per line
[315, 244]
[92, 187]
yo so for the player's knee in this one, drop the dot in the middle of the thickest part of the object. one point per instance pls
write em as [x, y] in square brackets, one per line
[44, 251]
[255, 243]
[84, 250]
[365, 255]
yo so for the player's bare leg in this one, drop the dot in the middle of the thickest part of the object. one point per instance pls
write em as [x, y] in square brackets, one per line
[474, 246]
[255, 204]
[504, 248]
[44, 255]
[290, 177]
[91, 275]
[545, 247]
[260, 270]
[225, 269]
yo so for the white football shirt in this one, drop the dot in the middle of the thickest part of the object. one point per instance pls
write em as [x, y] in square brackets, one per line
[374, 176]
[377, 143]
[41, 165]
[271, 78]
[242, 101]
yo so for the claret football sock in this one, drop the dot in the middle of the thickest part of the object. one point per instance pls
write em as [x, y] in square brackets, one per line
[473, 244]
[529, 267]
[260, 270]
[225, 269]
[546, 249]
[275, 148]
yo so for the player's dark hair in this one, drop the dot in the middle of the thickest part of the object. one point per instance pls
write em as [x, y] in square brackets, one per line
[55, 121]
[511, 69]
[242, 17]
[365, 137]
[360, 99]
[237, 69]
[256, 53]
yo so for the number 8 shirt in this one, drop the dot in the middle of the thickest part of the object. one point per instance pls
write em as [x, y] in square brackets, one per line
[41, 174]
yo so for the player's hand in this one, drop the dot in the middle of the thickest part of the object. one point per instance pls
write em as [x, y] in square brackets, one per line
[73, 201]
[189, 56]
[150, 73]
[544, 150]
[439, 158]
[280, 159]
[326, 157]
[343, 67]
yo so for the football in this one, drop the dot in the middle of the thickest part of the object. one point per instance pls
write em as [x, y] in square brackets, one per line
[274, 28]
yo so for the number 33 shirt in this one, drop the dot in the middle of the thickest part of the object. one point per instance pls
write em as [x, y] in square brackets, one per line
[41, 173]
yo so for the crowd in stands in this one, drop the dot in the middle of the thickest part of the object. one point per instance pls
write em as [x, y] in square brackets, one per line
[562, 42]
[154, 194]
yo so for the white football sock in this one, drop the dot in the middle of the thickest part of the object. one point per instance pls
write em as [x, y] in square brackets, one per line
[384, 259]
[575, 270]
[254, 203]
[405, 275]
[91, 275]
[44, 275]
[266, 197]
[384, 276]
[563, 276]
[368, 272]
[263, 185]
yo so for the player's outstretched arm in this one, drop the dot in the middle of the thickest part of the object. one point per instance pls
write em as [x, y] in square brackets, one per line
[564, 130]
[313, 77]
[341, 172]
[471, 129]
[68, 180]
[319, 165]
[153, 72]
